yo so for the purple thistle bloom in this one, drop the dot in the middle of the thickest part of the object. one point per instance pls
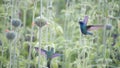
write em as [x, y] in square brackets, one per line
[108, 27]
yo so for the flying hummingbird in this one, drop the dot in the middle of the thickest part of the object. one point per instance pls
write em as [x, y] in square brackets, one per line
[86, 28]
[48, 54]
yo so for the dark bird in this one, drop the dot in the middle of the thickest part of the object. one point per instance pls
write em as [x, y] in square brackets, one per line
[48, 54]
[115, 36]
[86, 28]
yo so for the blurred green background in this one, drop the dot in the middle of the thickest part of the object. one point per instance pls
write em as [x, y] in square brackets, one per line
[63, 33]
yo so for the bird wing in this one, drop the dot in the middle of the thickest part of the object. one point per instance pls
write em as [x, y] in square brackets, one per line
[42, 51]
[94, 27]
[85, 19]
[56, 55]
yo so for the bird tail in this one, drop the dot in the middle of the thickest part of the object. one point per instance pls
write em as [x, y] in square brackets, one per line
[89, 33]
[48, 64]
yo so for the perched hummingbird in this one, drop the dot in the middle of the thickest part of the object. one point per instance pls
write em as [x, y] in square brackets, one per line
[49, 54]
[86, 28]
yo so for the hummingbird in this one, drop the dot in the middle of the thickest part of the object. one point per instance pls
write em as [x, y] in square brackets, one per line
[48, 54]
[86, 28]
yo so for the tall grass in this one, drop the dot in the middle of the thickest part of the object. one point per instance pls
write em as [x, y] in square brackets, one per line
[63, 33]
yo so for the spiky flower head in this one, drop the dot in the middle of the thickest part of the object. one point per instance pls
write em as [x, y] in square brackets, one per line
[16, 22]
[28, 38]
[108, 26]
[40, 21]
[10, 35]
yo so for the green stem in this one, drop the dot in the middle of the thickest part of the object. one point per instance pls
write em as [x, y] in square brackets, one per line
[10, 50]
[40, 32]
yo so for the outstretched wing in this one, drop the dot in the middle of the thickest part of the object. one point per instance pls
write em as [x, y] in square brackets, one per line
[56, 55]
[94, 27]
[42, 51]
[85, 19]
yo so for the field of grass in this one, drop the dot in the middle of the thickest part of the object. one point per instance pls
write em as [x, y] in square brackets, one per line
[47, 34]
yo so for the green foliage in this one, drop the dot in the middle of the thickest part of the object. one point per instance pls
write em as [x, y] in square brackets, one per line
[62, 33]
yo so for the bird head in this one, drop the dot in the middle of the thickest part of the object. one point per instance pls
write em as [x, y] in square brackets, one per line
[52, 50]
[81, 22]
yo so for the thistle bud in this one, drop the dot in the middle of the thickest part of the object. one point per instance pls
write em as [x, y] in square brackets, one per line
[40, 21]
[16, 22]
[50, 7]
[108, 26]
[10, 35]
[28, 38]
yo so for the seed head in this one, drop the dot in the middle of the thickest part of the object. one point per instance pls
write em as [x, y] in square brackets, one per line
[28, 38]
[108, 27]
[10, 35]
[16, 22]
[40, 21]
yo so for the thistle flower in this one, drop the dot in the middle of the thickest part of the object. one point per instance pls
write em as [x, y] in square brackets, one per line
[16, 22]
[10, 35]
[40, 21]
[108, 26]
[28, 38]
